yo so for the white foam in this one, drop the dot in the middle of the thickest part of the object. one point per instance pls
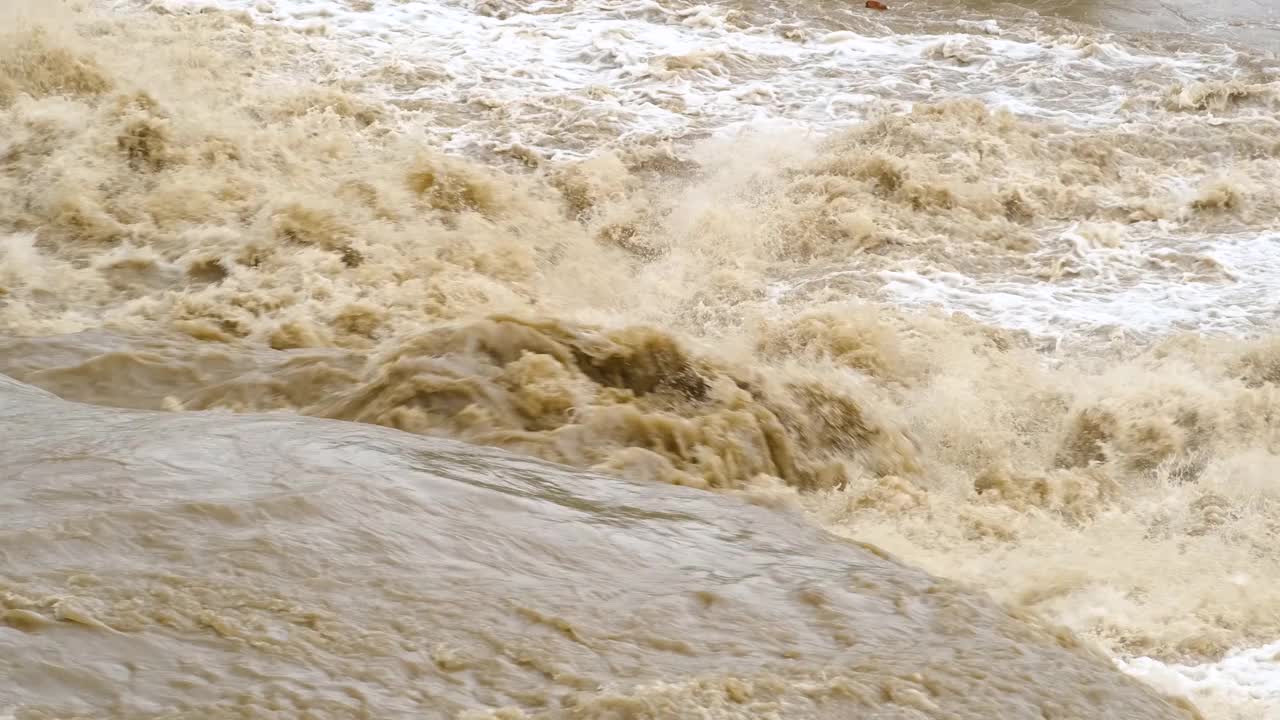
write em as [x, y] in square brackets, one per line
[1134, 287]
[638, 68]
[1246, 680]
[565, 77]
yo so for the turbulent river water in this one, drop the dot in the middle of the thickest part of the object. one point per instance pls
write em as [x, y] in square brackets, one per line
[639, 359]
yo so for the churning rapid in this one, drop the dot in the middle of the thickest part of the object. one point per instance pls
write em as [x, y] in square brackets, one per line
[956, 322]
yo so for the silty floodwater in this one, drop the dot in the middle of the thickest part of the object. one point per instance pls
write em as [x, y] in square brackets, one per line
[954, 321]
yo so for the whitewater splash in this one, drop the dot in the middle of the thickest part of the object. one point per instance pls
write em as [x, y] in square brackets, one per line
[991, 294]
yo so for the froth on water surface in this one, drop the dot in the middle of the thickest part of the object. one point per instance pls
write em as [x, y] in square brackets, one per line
[971, 312]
